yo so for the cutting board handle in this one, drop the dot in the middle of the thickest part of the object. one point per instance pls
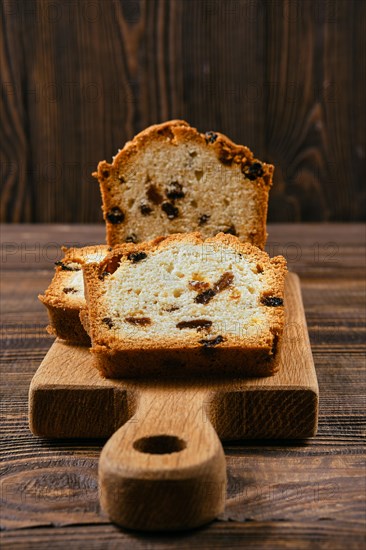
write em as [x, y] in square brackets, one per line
[165, 468]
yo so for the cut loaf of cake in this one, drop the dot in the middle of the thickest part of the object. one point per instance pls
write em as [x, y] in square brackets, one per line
[172, 179]
[64, 298]
[182, 304]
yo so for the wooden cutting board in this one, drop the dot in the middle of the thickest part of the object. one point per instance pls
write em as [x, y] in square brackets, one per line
[164, 466]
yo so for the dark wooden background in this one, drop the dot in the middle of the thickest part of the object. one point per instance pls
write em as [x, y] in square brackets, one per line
[80, 77]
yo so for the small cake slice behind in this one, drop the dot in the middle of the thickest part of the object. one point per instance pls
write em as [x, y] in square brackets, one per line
[173, 179]
[182, 304]
[64, 298]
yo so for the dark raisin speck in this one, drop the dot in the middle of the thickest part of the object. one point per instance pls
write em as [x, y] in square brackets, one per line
[132, 238]
[137, 256]
[69, 290]
[145, 209]
[272, 301]
[205, 296]
[230, 230]
[142, 321]
[210, 137]
[105, 174]
[109, 266]
[170, 210]
[254, 171]
[174, 190]
[203, 219]
[195, 323]
[68, 267]
[153, 194]
[226, 155]
[198, 286]
[115, 215]
[210, 342]
[108, 321]
[224, 282]
[169, 309]
[166, 132]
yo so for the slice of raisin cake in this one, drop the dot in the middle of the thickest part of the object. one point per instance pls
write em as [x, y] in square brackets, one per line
[172, 179]
[64, 298]
[182, 304]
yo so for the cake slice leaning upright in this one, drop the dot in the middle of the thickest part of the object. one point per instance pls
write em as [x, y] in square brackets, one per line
[184, 304]
[173, 179]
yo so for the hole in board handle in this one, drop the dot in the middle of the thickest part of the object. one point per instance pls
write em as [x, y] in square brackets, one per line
[159, 444]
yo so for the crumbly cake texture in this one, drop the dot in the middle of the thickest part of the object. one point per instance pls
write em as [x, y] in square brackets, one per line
[172, 179]
[64, 298]
[184, 304]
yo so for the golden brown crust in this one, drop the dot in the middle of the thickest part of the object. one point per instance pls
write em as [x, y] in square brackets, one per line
[226, 150]
[64, 300]
[256, 355]
[180, 132]
[183, 362]
[65, 324]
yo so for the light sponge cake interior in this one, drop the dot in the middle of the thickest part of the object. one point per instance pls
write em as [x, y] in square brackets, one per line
[173, 179]
[185, 304]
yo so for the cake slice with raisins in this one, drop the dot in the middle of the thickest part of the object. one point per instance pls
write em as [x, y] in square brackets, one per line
[64, 298]
[183, 304]
[172, 179]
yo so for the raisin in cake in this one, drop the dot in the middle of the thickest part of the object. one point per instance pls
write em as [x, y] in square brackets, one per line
[64, 298]
[172, 179]
[182, 304]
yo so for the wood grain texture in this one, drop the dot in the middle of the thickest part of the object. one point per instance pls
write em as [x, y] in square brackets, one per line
[310, 110]
[165, 469]
[283, 77]
[254, 535]
[281, 494]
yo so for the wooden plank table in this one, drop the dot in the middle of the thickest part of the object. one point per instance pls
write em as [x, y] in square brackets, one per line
[281, 494]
